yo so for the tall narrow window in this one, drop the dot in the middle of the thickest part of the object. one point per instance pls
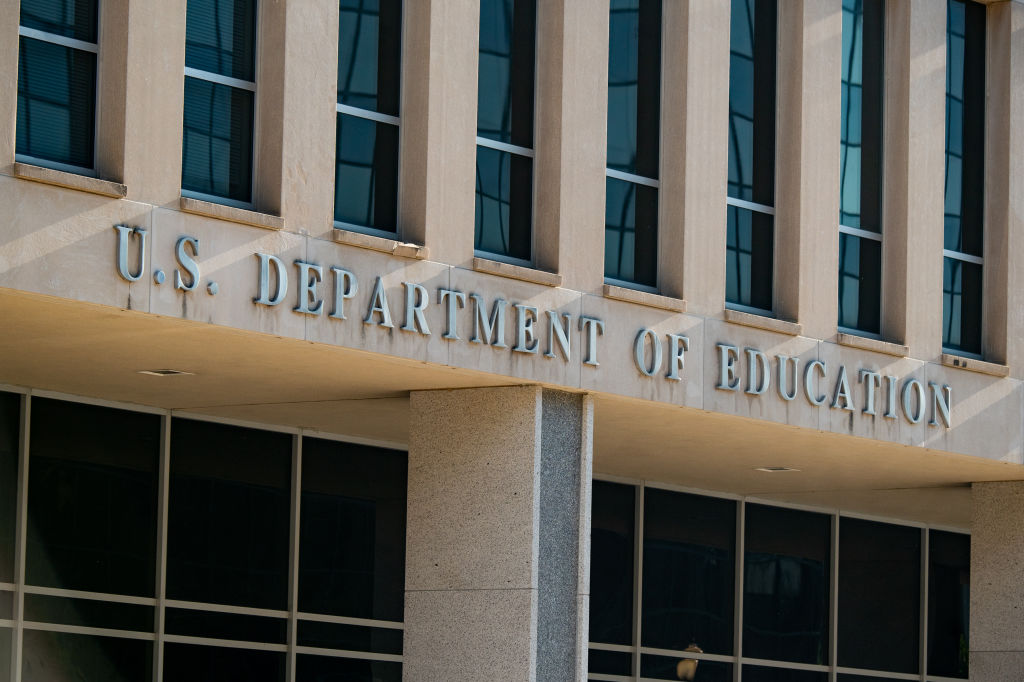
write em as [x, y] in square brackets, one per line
[634, 105]
[504, 137]
[965, 176]
[860, 167]
[220, 95]
[57, 48]
[366, 151]
[751, 190]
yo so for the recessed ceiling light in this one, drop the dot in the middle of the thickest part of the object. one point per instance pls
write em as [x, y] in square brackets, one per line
[164, 372]
[774, 470]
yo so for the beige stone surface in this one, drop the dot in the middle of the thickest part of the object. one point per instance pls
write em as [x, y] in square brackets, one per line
[996, 666]
[997, 563]
[9, 12]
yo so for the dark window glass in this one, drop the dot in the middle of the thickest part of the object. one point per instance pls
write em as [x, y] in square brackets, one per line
[228, 515]
[6, 606]
[217, 149]
[56, 102]
[669, 667]
[609, 662]
[366, 174]
[92, 492]
[220, 37]
[504, 203]
[69, 18]
[860, 278]
[879, 596]
[215, 625]
[64, 656]
[10, 427]
[611, 563]
[369, 54]
[631, 232]
[949, 601]
[689, 571]
[786, 585]
[762, 674]
[750, 244]
[634, 86]
[863, 678]
[506, 62]
[961, 305]
[88, 613]
[352, 536]
[349, 637]
[332, 669]
[6, 636]
[189, 662]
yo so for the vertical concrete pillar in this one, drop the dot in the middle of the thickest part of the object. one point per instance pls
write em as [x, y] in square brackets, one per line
[9, 17]
[997, 587]
[497, 553]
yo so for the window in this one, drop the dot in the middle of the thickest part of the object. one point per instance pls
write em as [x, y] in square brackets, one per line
[750, 241]
[634, 113]
[366, 156]
[963, 241]
[57, 49]
[504, 138]
[860, 168]
[220, 100]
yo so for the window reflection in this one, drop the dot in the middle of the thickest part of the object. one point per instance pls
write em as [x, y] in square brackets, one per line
[218, 139]
[366, 173]
[949, 603]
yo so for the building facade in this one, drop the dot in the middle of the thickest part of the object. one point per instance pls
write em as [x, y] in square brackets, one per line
[371, 340]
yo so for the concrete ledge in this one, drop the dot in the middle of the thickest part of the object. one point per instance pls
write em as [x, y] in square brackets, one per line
[974, 365]
[771, 324]
[236, 215]
[644, 298]
[382, 244]
[493, 267]
[876, 345]
[60, 178]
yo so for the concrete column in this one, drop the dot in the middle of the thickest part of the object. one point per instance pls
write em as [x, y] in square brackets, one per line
[9, 14]
[498, 544]
[997, 582]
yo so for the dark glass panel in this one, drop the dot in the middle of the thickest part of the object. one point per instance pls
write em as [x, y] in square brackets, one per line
[220, 37]
[612, 550]
[225, 626]
[667, 668]
[961, 305]
[60, 656]
[229, 515]
[332, 669]
[10, 427]
[764, 674]
[879, 596]
[6, 605]
[92, 493]
[786, 585]
[949, 602]
[689, 571]
[189, 662]
[69, 18]
[750, 245]
[860, 144]
[609, 662]
[366, 173]
[217, 149]
[965, 126]
[352, 539]
[6, 637]
[860, 278]
[507, 62]
[634, 86]
[369, 54]
[752, 100]
[504, 203]
[88, 613]
[863, 678]
[349, 637]
[631, 232]
[56, 102]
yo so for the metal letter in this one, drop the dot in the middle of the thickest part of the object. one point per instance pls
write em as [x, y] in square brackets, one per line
[784, 372]
[282, 280]
[890, 408]
[871, 381]
[456, 300]
[756, 360]
[727, 356]
[188, 262]
[526, 339]
[123, 233]
[809, 379]
[557, 331]
[593, 327]
[345, 286]
[941, 401]
[310, 276]
[842, 391]
[416, 300]
[640, 352]
[494, 327]
[379, 304]
[918, 388]
[677, 345]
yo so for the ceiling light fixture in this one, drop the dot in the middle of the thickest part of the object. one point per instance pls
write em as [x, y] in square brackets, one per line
[774, 470]
[164, 372]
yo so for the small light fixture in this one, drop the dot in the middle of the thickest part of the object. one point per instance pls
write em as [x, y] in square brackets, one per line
[164, 372]
[774, 470]
[686, 668]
